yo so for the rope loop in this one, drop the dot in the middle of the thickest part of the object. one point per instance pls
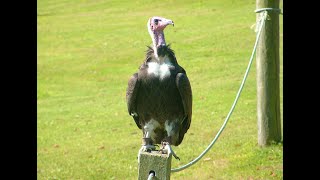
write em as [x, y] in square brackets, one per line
[268, 9]
[264, 15]
[151, 175]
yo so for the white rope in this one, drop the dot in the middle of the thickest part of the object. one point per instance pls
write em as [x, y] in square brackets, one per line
[261, 22]
[151, 175]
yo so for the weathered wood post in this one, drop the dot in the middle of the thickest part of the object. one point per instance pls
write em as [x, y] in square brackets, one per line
[268, 90]
[155, 162]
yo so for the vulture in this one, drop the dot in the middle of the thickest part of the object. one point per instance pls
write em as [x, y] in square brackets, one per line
[159, 96]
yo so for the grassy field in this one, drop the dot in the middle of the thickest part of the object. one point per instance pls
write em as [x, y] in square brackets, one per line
[87, 50]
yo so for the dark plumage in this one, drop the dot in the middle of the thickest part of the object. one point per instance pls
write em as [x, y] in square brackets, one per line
[159, 96]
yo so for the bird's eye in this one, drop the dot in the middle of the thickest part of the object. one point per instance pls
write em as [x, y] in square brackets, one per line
[156, 21]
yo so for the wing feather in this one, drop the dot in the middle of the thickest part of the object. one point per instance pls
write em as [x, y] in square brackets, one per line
[131, 97]
[184, 87]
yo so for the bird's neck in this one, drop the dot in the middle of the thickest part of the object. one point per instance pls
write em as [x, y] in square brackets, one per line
[158, 40]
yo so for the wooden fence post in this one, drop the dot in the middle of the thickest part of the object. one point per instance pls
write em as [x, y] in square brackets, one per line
[156, 162]
[268, 90]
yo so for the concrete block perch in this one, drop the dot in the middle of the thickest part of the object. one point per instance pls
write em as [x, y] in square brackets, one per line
[154, 161]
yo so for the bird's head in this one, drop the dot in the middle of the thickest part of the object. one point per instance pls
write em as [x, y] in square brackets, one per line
[156, 26]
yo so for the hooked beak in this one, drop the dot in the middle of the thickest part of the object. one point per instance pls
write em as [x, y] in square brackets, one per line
[169, 22]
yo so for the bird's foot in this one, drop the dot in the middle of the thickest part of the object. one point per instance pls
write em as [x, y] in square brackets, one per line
[147, 145]
[148, 148]
[166, 149]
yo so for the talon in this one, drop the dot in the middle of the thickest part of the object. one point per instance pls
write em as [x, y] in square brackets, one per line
[163, 151]
[166, 149]
[145, 148]
[148, 148]
[147, 145]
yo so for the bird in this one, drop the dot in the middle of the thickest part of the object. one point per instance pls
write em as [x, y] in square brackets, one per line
[159, 95]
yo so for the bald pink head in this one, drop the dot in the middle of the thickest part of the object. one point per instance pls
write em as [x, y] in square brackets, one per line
[159, 23]
[156, 25]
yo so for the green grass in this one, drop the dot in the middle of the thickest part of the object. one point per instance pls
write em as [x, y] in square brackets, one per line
[87, 50]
